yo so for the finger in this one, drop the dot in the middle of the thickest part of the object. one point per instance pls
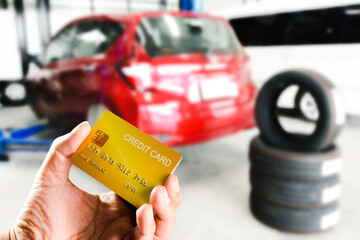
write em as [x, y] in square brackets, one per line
[173, 188]
[145, 228]
[56, 167]
[164, 212]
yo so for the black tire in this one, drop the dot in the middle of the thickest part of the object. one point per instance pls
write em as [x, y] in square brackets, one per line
[292, 219]
[294, 192]
[329, 104]
[4, 157]
[294, 165]
[299, 95]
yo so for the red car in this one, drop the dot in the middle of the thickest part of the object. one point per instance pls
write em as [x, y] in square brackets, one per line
[181, 77]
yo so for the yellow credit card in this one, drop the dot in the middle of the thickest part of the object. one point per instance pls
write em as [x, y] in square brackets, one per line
[125, 159]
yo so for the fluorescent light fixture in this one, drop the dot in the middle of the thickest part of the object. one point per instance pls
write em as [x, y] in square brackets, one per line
[196, 22]
[92, 36]
[147, 26]
[352, 11]
[172, 25]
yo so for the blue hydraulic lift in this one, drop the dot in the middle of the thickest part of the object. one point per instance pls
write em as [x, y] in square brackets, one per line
[20, 140]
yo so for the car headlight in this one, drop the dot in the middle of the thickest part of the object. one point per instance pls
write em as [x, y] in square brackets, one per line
[15, 92]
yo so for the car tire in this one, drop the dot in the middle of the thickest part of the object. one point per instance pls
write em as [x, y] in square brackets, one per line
[95, 111]
[295, 193]
[293, 219]
[294, 165]
[4, 157]
[328, 101]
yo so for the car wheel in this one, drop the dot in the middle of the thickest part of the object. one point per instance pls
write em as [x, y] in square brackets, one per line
[295, 192]
[294, 165]
[331, 113]
[293, 219]
[4, 157]
[95, 112]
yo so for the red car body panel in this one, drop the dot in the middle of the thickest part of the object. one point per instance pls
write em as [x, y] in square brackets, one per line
[169, 98]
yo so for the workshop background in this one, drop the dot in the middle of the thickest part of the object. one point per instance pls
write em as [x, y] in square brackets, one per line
[214, 171]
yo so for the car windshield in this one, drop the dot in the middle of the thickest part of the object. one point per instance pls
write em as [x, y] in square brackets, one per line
[167, 34]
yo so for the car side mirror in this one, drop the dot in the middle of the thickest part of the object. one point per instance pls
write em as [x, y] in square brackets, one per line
[140, 52]
[13, 93]
[36, 59]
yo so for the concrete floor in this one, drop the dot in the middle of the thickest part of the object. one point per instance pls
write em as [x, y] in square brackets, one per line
[214, 180]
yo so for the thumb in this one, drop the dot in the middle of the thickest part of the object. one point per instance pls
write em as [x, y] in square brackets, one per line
[56, 166]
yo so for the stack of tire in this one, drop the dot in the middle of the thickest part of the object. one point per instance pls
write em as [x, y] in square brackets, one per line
[295, 177]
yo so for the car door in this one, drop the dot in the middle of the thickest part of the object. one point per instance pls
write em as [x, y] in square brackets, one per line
[48, 87]
[79, 76]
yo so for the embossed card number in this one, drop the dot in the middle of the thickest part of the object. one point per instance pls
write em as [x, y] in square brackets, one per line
[125, 159]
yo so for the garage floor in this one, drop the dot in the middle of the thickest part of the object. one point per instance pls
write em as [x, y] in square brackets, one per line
[214, 180]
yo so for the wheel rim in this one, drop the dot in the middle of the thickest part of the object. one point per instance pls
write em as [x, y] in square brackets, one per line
[309, 107]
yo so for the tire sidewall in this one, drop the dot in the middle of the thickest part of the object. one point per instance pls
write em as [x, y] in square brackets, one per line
[267, 117]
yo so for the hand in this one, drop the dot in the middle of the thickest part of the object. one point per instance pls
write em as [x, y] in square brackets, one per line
[57, 209]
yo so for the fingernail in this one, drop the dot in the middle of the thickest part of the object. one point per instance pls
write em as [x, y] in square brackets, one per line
[166, 196]
[151, 212]
[175, 184]
[75, 128]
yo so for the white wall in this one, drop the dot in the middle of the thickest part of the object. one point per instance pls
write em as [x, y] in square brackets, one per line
[213, 5]
[9, 54]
